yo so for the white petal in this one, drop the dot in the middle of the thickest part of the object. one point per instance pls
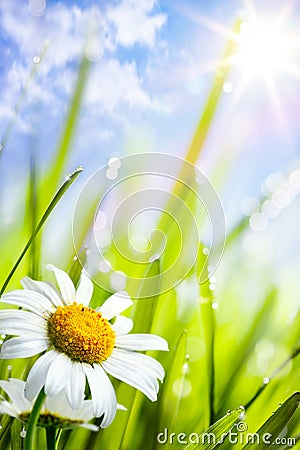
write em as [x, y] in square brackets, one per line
[23, 347]
[43, 288]
[31, 300]
[10, 324]
[115, 304]
[8, 408]
[141, 342]
[141, 361]
[65, 284]
[90, 426]
[75, 386]
[86, 412]
[139, 379]
[21, 317]
[122, 325]
[121, 407]
[58, 405]
[85, 290]
[103, 394]
[38, 374]
[58, 374]
[15, 390]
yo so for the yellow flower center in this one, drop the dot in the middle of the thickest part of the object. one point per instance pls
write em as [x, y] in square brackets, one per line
[81, 333]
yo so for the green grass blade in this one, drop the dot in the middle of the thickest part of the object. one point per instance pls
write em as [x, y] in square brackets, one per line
[216, 433]
[256, 329]
[275, 424]
[32, 214]
[64, 187]
[62, 152]
[205, 121]
[293, 355]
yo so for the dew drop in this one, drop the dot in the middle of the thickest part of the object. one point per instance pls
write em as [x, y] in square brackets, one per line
[266, 380]
[114, 163]
[3, 336]
[205, 251]
[280, 405]
[23, 433]
[228, 87]
[215, 305]
[228, 412]
[185, 368]
[111, 173]
[36, 59]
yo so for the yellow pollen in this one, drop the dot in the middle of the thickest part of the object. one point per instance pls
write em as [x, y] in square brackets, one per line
[81, 333]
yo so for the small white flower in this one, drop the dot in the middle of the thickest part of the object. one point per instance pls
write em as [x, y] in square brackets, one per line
[55, 411]
[82, 343]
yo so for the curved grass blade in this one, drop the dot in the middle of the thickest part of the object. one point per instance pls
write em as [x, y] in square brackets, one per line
[275, 424]
[64, 187]
[206, 119]
[257, 328]
[217, 432]
[293, 355]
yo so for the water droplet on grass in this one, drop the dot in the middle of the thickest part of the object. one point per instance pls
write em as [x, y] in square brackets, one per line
[266, 380]
[215, 305]
[36, 59]
[23, 433]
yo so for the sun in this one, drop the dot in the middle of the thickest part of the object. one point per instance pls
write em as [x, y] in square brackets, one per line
[264, 47]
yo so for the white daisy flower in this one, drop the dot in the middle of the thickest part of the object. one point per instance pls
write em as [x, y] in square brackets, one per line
[81, 342]
[55, 412]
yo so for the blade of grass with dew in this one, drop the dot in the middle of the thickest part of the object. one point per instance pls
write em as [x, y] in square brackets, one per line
[257, 328]
[62, 153]
[64, 187]
[293, 355]
[206, 119]
[217, 432]
[293, 443]
[208, 324]
[32, 215]
[275, 424]
[17, 439]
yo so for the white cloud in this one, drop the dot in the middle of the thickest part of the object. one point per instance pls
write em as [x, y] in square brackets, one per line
[63, 30]
[113, 85]
[134, 22]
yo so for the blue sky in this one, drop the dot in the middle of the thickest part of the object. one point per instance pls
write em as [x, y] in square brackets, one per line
[151, 71]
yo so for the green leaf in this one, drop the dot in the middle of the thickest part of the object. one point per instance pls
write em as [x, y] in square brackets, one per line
[64, 187]
[275, 424]
[216, 433]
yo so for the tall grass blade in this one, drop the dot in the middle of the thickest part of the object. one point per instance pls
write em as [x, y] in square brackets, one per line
[217, 432]
[275, 424]
[64, 187]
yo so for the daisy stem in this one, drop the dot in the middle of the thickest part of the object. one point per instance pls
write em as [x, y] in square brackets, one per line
[51, 438]
[33, 418]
